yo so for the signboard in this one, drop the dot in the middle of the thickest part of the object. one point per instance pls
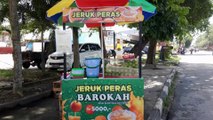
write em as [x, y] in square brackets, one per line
[63, 40]
[103, 99]
[109, 39]
[103, 15]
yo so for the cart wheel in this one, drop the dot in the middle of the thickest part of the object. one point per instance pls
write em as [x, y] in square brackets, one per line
[26, 65]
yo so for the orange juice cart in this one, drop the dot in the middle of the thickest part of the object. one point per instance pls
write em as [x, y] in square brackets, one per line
[94, 98]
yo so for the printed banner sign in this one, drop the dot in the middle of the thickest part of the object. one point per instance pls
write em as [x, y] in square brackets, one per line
[103, 15]
[103, 99]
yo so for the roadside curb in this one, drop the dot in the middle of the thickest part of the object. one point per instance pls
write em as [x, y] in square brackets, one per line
[25, 100]
[157, 110]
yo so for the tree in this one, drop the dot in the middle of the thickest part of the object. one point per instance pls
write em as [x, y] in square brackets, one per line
[3, 10]
[31, 14]
[199, 13]
[171, 19]
[13, 17]
[170, 16]
[205, 40]
[34, 13]
[76, 48]
[188, 40]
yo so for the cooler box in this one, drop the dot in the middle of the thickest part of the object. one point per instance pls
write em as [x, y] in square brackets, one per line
[77, 72]
[92, 67]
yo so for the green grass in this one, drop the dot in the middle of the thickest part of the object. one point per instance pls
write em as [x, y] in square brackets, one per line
[112, 73]
[6, 74]
[168, 100]
[29, 74]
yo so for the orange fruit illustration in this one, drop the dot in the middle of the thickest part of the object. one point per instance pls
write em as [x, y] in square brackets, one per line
[100, 117]
[117, 107]
[76, 106]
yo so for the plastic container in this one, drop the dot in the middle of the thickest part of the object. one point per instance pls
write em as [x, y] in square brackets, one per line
[92, 62]
[92, 67]
[77, 72]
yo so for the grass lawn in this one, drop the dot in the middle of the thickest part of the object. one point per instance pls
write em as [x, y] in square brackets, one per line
[29, 74]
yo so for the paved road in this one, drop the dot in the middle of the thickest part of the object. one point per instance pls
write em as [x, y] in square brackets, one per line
[194, 92]
[6, 62]
[46, 109]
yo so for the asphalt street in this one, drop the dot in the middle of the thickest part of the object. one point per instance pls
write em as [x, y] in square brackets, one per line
[194, 91]
[45, 109]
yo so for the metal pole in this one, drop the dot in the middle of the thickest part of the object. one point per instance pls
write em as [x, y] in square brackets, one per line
[64, 26]
[140, 54]
[65, 66]
[114, 40]
[102, 46]
[65, 57]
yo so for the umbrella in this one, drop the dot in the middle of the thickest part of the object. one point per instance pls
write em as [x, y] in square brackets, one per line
[79, 12]
[56, 12]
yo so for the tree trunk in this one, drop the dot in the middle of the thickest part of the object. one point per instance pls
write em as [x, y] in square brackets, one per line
[104, 46]
[138, 47]
[42, 52]
[18, 78]
[150, 62]
[52, 47]
[76, 48]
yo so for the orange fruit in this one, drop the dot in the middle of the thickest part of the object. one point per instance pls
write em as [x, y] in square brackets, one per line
[117, 107]
[76, 106]
[100, 117]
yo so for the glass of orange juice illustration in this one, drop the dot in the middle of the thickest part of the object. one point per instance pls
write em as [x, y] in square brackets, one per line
[74, 118]
[121, 115]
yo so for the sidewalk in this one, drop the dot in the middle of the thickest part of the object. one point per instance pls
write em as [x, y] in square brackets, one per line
[154, 80]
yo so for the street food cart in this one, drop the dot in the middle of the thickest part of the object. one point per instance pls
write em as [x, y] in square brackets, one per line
[102, 98]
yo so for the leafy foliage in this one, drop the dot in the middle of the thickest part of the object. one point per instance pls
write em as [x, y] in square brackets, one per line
[4, 10]
[169, 20]
[34, 14]
[199, 12]
[31, 13]
[206, 40]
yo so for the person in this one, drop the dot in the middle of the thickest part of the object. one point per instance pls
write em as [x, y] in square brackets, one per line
[29, 46]
[112, 53]
[182, 51]
[162, 53]
[191, 51]
[118, 45]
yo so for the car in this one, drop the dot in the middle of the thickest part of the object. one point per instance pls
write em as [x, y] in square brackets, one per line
[86, 50]
[32, 54]
[129, 48]
[145, 50]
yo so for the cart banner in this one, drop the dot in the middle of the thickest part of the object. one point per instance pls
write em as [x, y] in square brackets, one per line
[103, 99]
[103, 15]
